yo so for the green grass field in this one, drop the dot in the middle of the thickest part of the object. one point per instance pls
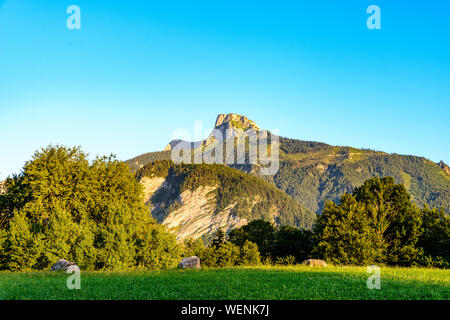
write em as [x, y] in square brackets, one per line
[291, 283]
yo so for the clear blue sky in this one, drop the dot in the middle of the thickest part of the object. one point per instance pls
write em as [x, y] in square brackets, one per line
[137, 70]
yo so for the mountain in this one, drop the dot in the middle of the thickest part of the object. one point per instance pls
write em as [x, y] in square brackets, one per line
[313, 172]
[227, 126]
[194, 200]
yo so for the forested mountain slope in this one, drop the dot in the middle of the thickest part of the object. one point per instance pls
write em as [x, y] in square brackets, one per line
[312, 172]
[195, 200]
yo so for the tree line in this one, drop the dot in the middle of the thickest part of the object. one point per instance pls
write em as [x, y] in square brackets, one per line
[63, 206]
[377, 223]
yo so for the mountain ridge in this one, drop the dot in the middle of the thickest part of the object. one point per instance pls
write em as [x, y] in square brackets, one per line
[226, 126]
[313, 172]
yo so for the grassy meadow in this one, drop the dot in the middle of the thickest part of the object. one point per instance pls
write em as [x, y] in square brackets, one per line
[257, 283]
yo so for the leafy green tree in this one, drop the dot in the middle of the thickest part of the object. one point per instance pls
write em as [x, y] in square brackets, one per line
[22, 247]
[219, 239]
[227, 255]
[250, 255]
[260, 232]
[59, 236]
[345, 235]
[394, 217]
[193, 247]
[62, 206]
[7, 201]
[156, 247]
[435, 239]
[290, 241]
[209, 257]
[380, 223]
[114, 240]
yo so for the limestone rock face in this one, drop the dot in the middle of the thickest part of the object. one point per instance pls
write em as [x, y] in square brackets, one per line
[64, 265]
[190, 263]
[231, 125]
[228, 125]
[194, 213]
[315, 263]
[235, 121]
[2, 187]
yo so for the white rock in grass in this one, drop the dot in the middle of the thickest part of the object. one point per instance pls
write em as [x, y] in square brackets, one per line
[63, 265]
[190, 263]
[315, 263]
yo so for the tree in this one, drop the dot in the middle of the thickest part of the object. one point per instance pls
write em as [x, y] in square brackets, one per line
[435, 239]
[290, 241]
[59, 238]
[219, 238]
[62, 206]
[22, 247]
[156, 247]
[250, 255]
[380, 223]
[394, 217]
[345, 235]
[227, 255]
[223, 254]
[260, 232]
[193, 247]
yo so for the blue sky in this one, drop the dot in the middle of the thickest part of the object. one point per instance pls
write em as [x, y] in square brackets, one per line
[138, 70]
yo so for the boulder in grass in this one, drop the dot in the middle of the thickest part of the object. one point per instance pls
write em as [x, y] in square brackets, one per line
[190, 263]
[315, 263]
[73, 268]
[63, 265]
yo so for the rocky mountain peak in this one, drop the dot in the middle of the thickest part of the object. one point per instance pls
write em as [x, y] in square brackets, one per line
[235, 121]
[227, 125]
